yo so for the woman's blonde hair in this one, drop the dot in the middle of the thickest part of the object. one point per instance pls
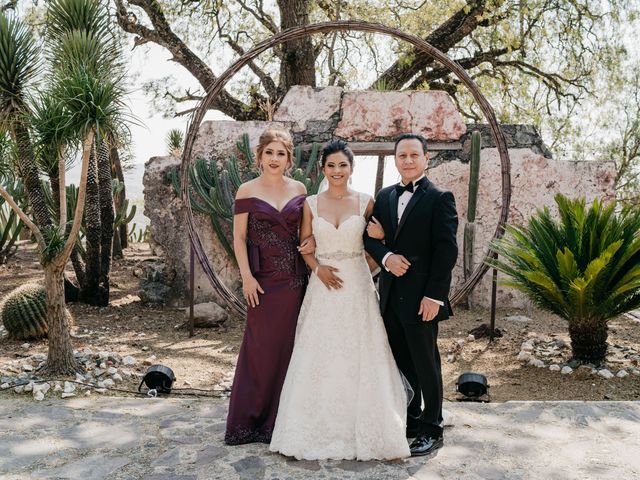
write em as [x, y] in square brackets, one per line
[275, 135]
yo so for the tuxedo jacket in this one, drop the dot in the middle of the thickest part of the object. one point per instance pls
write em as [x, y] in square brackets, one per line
[426, 236]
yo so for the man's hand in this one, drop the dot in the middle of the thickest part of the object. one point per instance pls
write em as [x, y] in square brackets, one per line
[428, 309]
[397, 264]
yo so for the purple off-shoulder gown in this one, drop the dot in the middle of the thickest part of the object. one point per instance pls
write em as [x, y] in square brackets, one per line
[272, 238]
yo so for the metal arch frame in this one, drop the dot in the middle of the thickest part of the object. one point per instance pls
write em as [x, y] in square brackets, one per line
[304, 31]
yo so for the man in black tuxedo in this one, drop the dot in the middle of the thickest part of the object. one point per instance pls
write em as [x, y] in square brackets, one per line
[417, 256]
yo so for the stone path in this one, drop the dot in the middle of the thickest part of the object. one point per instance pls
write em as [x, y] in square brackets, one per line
[128, 438]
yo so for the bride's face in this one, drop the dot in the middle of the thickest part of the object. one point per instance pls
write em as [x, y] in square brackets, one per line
[337, 169]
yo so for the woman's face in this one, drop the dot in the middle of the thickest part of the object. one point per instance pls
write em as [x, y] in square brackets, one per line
[274, 159]
[337, 169]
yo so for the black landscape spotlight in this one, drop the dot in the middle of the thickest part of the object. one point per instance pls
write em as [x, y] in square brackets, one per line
[158, 379]
[472, 387]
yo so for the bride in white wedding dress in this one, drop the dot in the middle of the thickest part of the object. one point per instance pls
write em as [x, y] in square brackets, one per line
[343, 396]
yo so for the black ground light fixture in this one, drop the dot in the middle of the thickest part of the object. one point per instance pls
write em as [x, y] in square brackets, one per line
[472, 387]
[158, 379]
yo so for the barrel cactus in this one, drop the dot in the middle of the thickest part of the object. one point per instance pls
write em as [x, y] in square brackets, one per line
[24, 312]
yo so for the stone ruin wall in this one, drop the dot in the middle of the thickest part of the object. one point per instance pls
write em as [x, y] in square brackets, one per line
[321, 114]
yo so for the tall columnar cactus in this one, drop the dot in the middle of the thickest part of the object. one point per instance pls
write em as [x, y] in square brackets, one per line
[469, 228]
[213, 189]
[24, 312]
[10, 223]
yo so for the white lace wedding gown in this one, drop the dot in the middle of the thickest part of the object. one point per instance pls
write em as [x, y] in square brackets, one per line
[343, 397]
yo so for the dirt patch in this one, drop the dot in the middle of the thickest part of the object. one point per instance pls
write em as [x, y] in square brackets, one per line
[129, 328]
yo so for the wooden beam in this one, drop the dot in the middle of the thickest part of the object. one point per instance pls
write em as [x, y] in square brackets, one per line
[386, 148]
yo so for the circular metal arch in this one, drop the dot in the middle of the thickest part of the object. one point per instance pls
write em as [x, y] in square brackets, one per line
[338, 26]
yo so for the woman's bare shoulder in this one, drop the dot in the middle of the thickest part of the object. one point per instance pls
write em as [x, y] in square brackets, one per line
[247, 189]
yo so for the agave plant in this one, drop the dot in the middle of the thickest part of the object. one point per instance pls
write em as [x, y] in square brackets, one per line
[175, 142]
[584, 267]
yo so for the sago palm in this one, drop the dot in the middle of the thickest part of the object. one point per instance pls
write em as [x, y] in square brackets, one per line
[584, 267]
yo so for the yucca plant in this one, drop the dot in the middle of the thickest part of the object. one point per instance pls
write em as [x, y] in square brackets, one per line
[584, 267]
[83, 78]
[19, 67]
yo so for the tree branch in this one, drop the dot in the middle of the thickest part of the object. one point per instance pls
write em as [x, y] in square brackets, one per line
[268, 83]
[23, 216]
[63, 191]
[87, 145]
[163, 35]
[260, 15]
[457, 27]
[10, 5]
[466, 63]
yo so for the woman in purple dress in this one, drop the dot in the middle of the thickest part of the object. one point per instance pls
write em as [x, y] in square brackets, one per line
[268, 211]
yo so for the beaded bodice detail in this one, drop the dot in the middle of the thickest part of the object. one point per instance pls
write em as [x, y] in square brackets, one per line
[344, 241]
[272, 236]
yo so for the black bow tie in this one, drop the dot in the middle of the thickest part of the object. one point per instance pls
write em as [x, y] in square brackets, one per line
[404, 188]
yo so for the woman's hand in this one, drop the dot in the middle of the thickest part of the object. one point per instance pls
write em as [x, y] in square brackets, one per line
[327, 275]
[250, 289]
[374, 229]
[308, 246]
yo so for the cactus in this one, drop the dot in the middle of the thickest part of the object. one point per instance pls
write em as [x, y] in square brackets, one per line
[213, 189]
[24, 312]
[469, 228]
[10, 224]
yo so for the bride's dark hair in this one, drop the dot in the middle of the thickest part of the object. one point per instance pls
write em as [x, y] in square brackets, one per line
[335, 146]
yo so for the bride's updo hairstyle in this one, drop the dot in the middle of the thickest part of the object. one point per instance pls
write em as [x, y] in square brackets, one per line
[335, 146]
[275, 135]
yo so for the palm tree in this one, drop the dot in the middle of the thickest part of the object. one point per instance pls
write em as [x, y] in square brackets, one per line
[82, 79]
[584, 267]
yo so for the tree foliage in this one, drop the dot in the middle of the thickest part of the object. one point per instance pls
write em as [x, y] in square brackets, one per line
[534, 59]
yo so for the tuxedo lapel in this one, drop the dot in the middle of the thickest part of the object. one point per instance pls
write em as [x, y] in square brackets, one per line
[415, 198]
[393, 212]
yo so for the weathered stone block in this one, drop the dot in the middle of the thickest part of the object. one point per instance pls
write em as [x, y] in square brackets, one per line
[371, 115]
[217, 139]
[170, 238]
[535, 180]
[304, 103]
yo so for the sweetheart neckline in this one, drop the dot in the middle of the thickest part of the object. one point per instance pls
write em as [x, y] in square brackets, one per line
[343, 222]
[274, 208]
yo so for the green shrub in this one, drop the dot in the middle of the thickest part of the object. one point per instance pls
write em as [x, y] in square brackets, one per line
[584, 267]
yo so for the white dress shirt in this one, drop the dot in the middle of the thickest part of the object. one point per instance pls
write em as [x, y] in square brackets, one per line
[403, 201]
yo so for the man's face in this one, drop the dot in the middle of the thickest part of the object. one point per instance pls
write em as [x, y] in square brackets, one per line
[411, 161]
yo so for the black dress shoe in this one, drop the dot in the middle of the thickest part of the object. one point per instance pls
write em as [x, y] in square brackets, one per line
[425, 444]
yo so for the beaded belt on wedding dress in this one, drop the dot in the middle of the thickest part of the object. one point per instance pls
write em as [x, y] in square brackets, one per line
[339, 255]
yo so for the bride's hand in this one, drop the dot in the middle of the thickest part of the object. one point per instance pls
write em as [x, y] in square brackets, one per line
[328, 277]
[374, 229]
[250, 289]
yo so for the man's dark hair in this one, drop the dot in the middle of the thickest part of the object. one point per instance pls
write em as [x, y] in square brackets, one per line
[335, 146]
[411, 136]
